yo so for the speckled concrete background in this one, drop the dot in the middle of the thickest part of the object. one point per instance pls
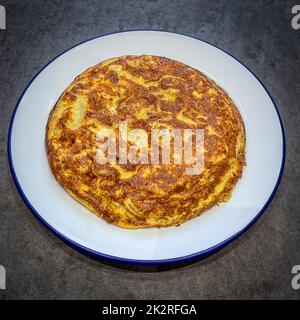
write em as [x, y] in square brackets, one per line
[258, 265]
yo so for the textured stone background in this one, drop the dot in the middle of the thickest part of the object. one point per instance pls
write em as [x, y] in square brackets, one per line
[258, 265]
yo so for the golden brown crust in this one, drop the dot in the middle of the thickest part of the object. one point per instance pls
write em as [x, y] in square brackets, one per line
[148, 92]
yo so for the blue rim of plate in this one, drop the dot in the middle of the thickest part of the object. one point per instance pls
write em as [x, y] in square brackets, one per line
[138, 262]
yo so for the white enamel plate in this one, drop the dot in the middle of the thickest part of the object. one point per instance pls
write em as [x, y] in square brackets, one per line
[76, 225]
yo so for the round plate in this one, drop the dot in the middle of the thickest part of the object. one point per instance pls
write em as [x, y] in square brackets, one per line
[211, 231]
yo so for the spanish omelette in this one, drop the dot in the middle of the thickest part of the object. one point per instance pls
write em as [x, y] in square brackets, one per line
[148, 92]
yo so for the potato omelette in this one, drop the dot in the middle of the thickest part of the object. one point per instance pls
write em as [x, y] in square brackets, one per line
[148, 92]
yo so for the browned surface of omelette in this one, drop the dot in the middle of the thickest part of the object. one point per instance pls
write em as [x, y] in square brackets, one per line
[148, 92]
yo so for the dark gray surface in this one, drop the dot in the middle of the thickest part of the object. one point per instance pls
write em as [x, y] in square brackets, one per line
[259, 264]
